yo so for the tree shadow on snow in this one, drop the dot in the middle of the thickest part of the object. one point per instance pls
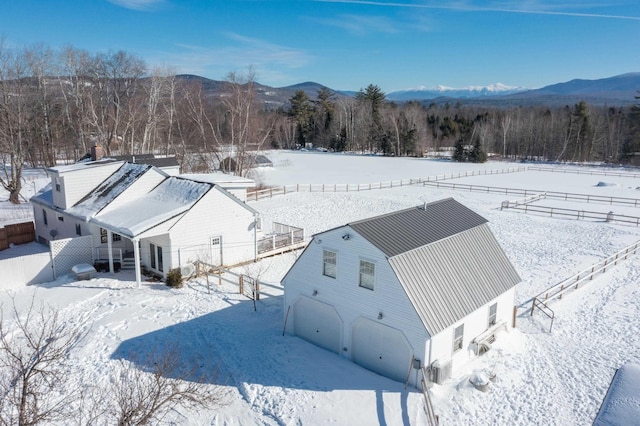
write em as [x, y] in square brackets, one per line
[239, 346]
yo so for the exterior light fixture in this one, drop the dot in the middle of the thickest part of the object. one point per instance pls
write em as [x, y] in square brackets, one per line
[380, 315]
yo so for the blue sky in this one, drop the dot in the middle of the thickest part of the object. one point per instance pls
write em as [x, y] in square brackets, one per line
[347, 45]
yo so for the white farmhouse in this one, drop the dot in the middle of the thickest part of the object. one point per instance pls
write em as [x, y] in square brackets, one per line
[427, 286]
[140, 212]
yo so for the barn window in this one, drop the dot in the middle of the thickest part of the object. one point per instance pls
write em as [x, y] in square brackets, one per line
[44, 217]
[458, 336]
[367, 274]
[493, 314]
[329, 263]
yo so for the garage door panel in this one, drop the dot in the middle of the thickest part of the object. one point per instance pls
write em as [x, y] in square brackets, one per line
[380, 348]
[318, 323]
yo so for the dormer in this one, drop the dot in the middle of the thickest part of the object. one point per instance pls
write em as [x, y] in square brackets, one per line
[69, 184]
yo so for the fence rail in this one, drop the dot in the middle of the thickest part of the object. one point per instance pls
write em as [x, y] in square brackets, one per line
[356, 187]
[333, 187]
[584, 172]
[565, 196]
[283, 236]
[474, 173]
[569, 284]
[576, 214]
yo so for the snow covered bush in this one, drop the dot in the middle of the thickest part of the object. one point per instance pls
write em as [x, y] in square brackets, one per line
[174, 278]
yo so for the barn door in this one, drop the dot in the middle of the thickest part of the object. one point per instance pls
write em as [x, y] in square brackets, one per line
[380, 348]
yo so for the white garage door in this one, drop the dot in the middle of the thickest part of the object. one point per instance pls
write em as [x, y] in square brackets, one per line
[318, 323]
[380, 348]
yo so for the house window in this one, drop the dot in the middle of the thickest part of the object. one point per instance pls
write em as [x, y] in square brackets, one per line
[367, 274]
[458, 335]
[61, 218]
[493, 314]
[78, 229]
[103, 236]
[160, 265]
[152, 255]
[44, 217]
[155, 257]
[58, 184]
[329, 262]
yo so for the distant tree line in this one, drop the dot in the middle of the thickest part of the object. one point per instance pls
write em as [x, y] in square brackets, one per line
[56, 104]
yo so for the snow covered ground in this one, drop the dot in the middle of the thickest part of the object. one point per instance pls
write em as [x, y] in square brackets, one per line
[557, 378]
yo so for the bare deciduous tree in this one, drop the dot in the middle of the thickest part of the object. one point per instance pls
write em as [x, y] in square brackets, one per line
[34, 363]
[142, 397]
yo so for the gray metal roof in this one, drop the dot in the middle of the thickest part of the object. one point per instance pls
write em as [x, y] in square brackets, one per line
[408, 229]
[452, 277]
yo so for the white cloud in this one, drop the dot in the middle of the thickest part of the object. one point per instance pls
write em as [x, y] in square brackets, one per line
[360, 24]
[533, 8]
[137, 4]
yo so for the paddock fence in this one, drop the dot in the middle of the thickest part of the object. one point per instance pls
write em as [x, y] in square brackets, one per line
[557, 291]
[260, 194]
[584, 172]
[556, 195]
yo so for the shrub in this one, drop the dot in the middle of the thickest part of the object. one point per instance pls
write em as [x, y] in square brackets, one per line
[174, 278]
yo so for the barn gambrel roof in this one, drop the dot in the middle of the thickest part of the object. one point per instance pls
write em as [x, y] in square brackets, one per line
[445, 257]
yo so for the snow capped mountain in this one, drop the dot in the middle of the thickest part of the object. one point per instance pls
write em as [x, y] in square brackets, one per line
[423, 92]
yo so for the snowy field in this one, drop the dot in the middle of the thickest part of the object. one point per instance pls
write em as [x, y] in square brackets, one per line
[557, 378]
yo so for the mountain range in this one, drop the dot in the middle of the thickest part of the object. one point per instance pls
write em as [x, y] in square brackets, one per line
[620, 90]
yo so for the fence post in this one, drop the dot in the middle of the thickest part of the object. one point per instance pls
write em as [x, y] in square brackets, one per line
[241, 284]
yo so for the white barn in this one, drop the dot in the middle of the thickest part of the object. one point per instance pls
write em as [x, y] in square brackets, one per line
[429, 283]
[140, 212]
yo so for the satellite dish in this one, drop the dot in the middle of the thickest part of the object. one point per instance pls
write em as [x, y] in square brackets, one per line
[53, 233]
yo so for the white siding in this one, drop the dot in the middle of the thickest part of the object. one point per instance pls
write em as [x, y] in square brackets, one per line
[216, 214]
[350, 300]
[76, 183]
[474, 325]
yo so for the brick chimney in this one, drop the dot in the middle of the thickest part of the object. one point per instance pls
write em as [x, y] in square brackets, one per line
[96, 152]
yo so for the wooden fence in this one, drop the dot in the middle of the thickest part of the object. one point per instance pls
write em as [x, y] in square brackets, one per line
[575, 214]
[356, 187]
[565, 196]
[18, 233]
[584, 172]
[557, 291]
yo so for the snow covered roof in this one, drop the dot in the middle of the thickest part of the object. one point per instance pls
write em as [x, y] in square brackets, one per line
[172, 198]
[108, 190]
[621, 405]
[83, 165]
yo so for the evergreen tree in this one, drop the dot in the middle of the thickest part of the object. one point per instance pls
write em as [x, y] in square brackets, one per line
[459, 153]
[302, 112]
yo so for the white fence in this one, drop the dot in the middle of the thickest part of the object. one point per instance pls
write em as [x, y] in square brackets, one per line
[29, 269]
[69, 252]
